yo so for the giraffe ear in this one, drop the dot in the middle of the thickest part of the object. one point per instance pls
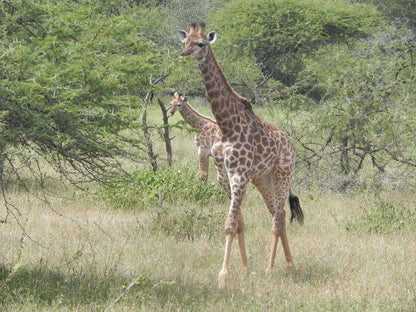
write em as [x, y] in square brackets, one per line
[182, 35]
[212, 37]
[184, 99]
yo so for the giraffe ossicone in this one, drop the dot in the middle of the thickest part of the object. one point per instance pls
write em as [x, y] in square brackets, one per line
[250, 149]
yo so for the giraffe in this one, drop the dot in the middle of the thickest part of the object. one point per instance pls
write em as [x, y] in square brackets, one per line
[208, 131]
[250, 150]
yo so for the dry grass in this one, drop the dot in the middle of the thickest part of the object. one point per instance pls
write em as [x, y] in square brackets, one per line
[96, 250]
[80, 253]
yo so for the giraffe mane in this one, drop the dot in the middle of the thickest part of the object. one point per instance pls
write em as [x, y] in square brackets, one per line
[247, 104]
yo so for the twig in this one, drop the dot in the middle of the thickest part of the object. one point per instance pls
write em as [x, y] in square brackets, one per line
[125, 292]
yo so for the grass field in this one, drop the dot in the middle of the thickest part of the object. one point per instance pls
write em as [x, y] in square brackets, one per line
[355, 252]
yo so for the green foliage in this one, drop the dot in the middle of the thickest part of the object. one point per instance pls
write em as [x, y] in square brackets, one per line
[403, 11]
[385, 218]
[156, 190]
[278, 33]
[71, 73]
[150, 189]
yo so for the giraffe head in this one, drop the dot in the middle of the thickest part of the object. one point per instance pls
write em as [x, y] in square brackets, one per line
[177, 103]
[196, 43]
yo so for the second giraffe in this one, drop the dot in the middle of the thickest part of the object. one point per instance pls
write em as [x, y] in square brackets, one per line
[208, 131]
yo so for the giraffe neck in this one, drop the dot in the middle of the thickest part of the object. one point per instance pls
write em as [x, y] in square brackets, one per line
[191, 116]
[225, 102]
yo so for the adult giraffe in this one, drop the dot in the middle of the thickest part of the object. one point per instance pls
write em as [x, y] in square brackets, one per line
[250, 150]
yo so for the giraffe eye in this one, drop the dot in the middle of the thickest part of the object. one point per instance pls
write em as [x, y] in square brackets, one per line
[200, 44]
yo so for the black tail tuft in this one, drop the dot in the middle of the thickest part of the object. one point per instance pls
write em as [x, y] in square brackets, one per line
[296, 211]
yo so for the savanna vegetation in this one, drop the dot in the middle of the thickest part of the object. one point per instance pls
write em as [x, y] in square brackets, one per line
[101, 207]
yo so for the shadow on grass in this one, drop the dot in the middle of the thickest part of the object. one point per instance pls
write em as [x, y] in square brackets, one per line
[42, 286]
[311, 272]
[46, 286]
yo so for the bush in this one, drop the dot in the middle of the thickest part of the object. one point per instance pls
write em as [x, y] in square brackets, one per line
[150, 189]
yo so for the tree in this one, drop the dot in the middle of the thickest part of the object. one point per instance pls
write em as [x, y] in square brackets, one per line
[277, 35]
[72, 82]
[368, 108]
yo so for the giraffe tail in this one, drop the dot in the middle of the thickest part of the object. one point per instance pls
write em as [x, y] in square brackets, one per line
[295, 209]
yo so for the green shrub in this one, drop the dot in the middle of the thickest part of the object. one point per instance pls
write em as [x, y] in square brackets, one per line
[149, 189]
[385, 218]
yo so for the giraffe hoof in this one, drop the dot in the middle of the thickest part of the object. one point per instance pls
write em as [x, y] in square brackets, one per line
[290, 265]
[268, 270]
[221, 279]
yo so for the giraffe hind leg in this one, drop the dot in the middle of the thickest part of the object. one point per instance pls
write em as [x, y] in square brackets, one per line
[274, 192]
[282, 191]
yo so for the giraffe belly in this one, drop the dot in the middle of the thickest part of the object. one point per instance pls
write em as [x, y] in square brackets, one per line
[262, 166]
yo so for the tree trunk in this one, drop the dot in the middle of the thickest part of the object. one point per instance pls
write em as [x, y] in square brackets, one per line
[149, 143]
[166, 135]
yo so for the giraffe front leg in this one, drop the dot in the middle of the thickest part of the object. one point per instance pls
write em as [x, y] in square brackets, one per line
[234, 225]
[231, 226]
